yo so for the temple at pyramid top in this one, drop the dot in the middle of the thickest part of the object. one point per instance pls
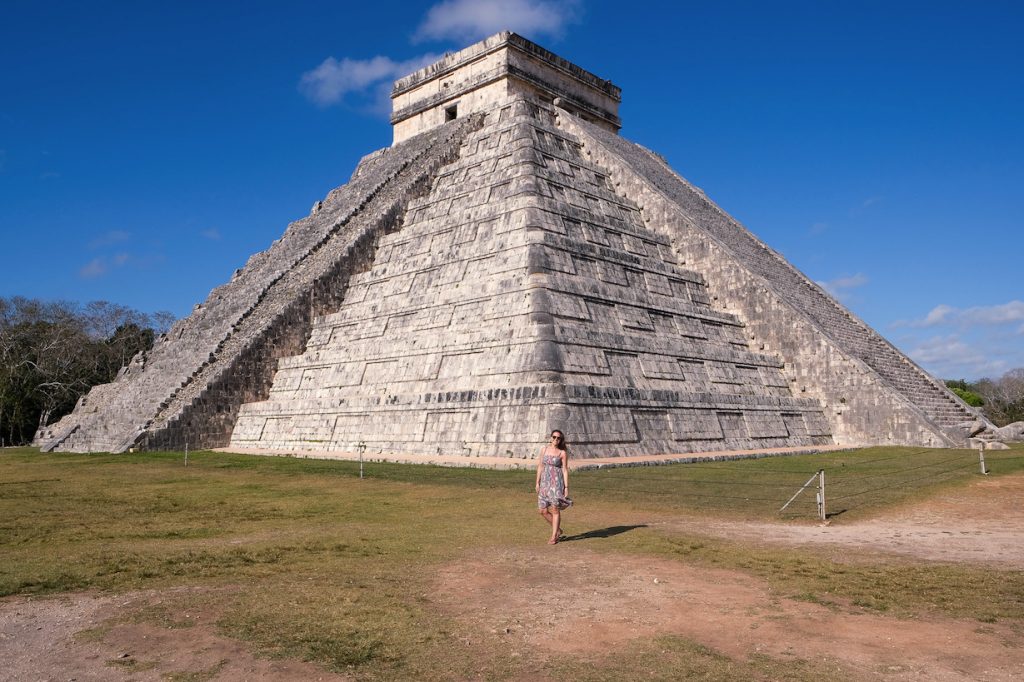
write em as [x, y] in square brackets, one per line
[496, 70]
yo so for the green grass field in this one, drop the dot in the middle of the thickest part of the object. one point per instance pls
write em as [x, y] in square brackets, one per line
[319, 565]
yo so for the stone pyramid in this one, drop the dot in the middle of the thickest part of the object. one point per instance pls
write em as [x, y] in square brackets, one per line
[512, 265]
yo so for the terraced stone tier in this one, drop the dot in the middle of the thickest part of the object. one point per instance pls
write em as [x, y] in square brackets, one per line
[873, 393]
[189, 387]
[522, 294]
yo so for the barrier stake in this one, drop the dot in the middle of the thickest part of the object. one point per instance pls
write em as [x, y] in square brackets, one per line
[821, 494]
[802, 488]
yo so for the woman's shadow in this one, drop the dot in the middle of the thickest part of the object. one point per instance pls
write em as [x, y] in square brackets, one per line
[601, 533]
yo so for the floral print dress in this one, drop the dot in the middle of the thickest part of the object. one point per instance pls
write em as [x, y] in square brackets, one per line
[551, 492]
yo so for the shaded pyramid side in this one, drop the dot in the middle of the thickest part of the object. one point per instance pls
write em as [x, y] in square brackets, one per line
[523, 294]
[189, 386]
[873, 394]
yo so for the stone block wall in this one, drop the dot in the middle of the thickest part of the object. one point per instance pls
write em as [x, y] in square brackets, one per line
[872, 393]
[522, 294]
[484, 76]
[190, 385]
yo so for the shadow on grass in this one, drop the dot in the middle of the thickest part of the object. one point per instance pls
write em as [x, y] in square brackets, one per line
[602, 532]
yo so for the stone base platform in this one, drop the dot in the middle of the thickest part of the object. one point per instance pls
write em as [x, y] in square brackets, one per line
[509, 463]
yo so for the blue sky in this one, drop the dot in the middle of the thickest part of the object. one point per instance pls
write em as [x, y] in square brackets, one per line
[147, 149]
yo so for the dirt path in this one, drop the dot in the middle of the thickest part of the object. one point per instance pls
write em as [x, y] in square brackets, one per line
[601, 604]
[86, 638]
[598, 604]
[980, 523]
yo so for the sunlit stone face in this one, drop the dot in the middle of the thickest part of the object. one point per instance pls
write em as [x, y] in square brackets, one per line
[490, 74]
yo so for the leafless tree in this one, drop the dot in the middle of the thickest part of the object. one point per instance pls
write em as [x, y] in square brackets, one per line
[1004, 397]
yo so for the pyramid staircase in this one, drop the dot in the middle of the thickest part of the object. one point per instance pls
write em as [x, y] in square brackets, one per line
[188, 388]
[851, 336]
[522, 294]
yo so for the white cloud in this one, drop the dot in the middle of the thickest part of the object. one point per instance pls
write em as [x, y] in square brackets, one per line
[943, 349]
[466, 20]
[818, 228]
[97, 267]
[841, 286]
[109, 238]
[950, 357]
[994, 314]
[213, 234]
[461, 20]
[937, 315]
[976, 316]
[330, 82]
[870, 201]
[101, 265]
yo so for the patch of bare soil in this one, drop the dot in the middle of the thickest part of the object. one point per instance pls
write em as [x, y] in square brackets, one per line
[980, 523]
[86, 637]
[566, 599]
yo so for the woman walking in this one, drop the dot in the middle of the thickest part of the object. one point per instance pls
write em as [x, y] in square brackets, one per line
[553, 483]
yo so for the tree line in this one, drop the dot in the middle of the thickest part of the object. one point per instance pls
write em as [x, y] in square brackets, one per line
[52, 352]
[1001, 400]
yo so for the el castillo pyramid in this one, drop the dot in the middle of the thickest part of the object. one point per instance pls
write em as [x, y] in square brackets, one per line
[508, 266]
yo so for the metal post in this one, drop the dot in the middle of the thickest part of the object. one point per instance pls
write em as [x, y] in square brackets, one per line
[362, 448]
[981, 458]
[186, 453]
[821, 494]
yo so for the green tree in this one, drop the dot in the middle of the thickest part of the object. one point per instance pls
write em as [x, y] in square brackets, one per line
[51, 353]
[969, 397]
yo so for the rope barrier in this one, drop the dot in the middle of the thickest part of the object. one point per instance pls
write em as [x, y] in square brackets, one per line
[35, 480]
[842, 476]
[722, 481]
[732, 465]
[901, 484]
[931, 464]
[689, 494]
[761, 470]
[866, 463]
[890, 473]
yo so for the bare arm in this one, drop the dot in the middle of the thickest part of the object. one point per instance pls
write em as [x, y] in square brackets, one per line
[540, 463]
[565, 472]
